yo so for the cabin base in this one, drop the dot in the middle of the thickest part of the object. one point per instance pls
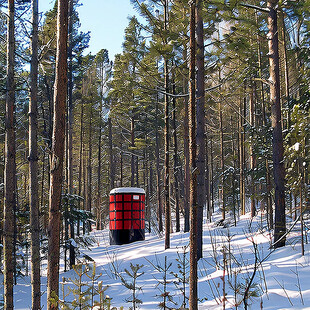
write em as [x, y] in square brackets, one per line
[124, 236]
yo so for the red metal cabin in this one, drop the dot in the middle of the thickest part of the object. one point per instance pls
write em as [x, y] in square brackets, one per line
[127, 215]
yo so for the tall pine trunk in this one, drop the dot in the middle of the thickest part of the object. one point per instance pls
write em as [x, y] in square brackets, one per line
[193, 290]
[10, 165]
[277, 139]
[158, 190]
[70, 131]
[175, 159]
[112, 164]
[58, 139]
[167, 166]
[201, 144]
[33, 164]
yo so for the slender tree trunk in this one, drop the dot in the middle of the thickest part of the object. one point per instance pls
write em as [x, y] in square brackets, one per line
[175, 159]
[89, 169]
[252, 155]
[33, 164]
[70, 131]
[193, 283]
[10, 165]
[186, 152]
[132, 134]
[159, 203]
[112, 164]
[207, 176]
[242, 155]
[58, 139]
[80, 163]
[167, 166]
[233, 176]
[121, 167]
[277, 139]
[211, 174]
[200, 137]
[222, 162]
[98, 200]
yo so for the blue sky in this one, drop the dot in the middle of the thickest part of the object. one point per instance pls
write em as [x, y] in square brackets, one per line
[105, 19]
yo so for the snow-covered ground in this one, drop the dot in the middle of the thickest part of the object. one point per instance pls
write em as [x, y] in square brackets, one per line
[281, 280]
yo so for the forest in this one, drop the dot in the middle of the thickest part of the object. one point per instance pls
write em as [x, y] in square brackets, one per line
[206, 108]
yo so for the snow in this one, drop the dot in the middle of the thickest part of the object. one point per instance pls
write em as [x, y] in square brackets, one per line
[281, 281]
[131, 190]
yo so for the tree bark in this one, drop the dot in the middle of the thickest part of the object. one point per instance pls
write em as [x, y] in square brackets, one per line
[222, 161]
[193, 294]
[159, 203]
[252, 155]
[277, 139]
[33, 164]
[167, 166]
[112, 164]
[175, 159]
[200, 136]
[242, 154]
[10, 165]
[186, 152]
[132, 165]
[58, 139]
[70, 131]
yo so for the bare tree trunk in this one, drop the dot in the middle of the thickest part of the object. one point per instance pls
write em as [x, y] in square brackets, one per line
[112, 164]
[159, 203]
[58, 140]
[277, 139]
[10, 165]
[193, 283]
[175, 159]
[70, 131]
[241, 155]
[207, 176]
[80, 163]
[89, 169]
[33, 164]
[252, 155]
[98, 200]
[201, 144]
[233, 176]
[222, 162]
[167, 166]
[132, 134]
[186, 153]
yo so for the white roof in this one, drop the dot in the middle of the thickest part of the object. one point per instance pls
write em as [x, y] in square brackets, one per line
[132, 190]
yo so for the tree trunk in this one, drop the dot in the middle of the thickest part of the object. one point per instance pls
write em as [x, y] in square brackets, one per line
[252, 155]
[10, 165]
[167, 167]
[242, 155]
[80, 163]
[193, 294]
[70, 131]
[132, 165]
[201, 144]
[112, 164]
[98, 200]
[58, 139]
[277, 139]
[33, 164]
[159, 204]
[89, 170]
[175, 160]
[222, 162]
[186, 151]
[207, 176]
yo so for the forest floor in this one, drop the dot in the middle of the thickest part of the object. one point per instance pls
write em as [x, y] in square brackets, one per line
[281, 280]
